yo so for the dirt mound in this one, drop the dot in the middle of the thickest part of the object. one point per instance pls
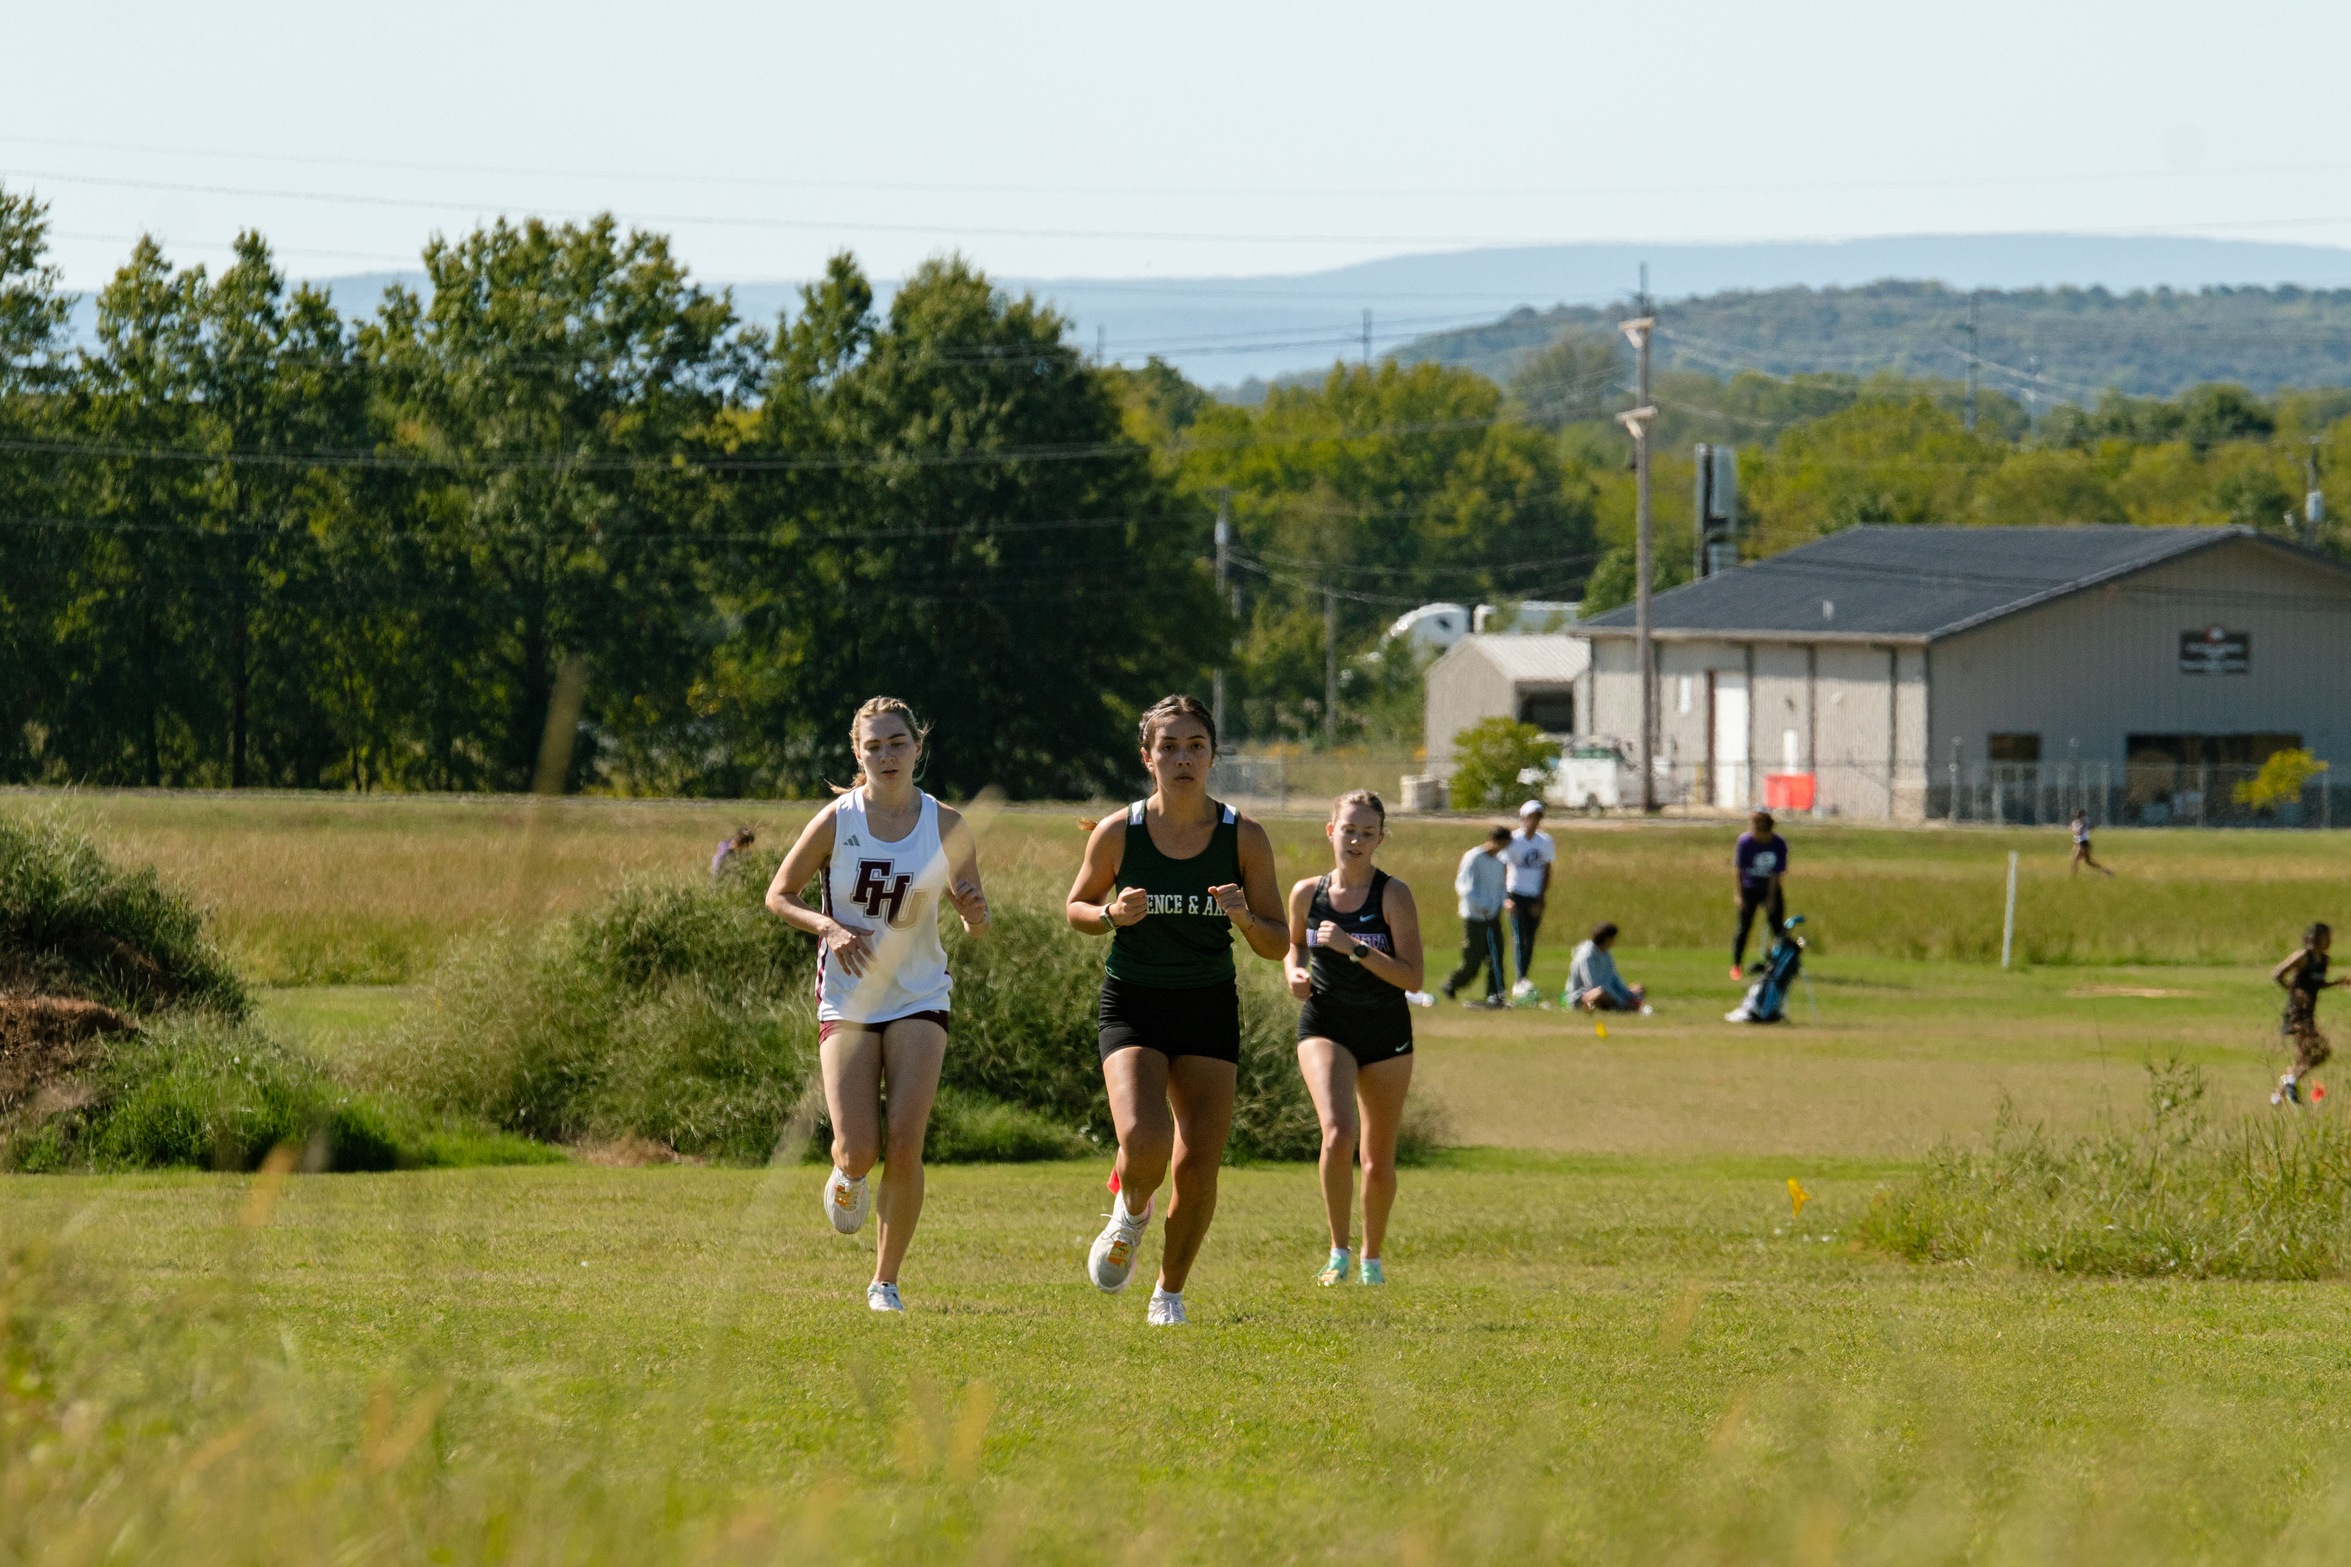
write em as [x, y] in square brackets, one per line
[45, 1040]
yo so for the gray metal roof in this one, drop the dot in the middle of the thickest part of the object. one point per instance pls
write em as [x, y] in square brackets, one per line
[1539, 659]
[1910, 583]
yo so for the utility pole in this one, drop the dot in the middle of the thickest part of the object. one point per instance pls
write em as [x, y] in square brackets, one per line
[1101, 346]
[2314, 500]
[1367, 337]
[1224, 571]
[1636, 420]
[1330, 668]
[1972, 357]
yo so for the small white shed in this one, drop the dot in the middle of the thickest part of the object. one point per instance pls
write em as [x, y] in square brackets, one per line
[1530, 678]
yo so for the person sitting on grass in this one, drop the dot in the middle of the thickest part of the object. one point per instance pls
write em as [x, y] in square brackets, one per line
[1480, 885]
[1592, 981]
[2304, 975]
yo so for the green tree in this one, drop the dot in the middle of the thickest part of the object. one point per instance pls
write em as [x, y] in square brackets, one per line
[1379, 489]
[556, 391]
[1492, 761]
[961, 521]
[36, 555]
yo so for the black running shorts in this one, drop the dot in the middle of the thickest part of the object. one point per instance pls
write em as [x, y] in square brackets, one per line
[1202, 1020]
[1369, 1034]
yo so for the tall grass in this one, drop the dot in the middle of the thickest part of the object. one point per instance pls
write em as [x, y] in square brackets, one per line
[2262, 1197]
[376, 891]
[72, 923]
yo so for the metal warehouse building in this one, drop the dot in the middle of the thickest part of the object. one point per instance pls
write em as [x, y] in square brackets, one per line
[1907, 672]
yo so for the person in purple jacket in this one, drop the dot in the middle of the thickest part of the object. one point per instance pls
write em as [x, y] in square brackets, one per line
[1758, 863]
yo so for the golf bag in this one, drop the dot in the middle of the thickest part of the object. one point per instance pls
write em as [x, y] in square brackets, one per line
[1767, 999]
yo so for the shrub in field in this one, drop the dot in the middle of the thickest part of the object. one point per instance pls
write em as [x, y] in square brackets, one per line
[677, 1013]
[2267, 1197]
[196, 1089]
[683, 1014]
[1026, 996]
[74, 924]
[1490, 759]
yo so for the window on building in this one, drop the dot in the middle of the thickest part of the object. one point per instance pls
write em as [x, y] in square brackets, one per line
[1553, 712]
[2208, 750]
[2014, 748]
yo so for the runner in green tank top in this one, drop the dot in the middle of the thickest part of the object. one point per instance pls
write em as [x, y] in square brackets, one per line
[1167, 880]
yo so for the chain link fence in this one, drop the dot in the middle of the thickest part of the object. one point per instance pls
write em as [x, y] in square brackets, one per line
[2136, 794]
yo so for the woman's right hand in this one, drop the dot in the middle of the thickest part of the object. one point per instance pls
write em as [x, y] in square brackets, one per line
[1301, 984]
[852, 949]
[1128, 907]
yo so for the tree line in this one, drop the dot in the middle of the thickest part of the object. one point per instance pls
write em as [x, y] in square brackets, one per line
[247, 542]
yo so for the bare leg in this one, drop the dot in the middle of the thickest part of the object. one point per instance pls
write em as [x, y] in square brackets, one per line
[1380, 1088]
[1201, 1093]
[1330, 1077]
[1136, 1079]
[851, 1061]
[911, 1052]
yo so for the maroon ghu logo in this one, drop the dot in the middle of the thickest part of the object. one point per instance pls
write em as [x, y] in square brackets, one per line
[876, 887]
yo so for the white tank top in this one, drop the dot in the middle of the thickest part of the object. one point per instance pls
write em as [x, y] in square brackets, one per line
[892, 889]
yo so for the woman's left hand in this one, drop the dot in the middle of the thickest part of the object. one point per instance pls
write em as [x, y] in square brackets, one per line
[1328, 934]
[1232, 900]
[969, 902]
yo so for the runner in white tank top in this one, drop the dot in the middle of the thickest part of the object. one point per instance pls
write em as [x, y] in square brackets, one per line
[890, 890]
[885, 854]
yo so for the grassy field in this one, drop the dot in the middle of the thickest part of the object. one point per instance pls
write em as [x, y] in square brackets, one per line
[339, 891]
[1611, 1336]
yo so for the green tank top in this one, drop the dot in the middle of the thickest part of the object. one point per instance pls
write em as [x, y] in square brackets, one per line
[1187, 939]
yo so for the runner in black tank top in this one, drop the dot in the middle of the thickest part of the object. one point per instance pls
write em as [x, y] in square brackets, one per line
[2304, 975]
[1169, 879]
[1354, 952]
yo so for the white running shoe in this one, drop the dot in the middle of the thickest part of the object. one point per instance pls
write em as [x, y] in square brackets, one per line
[1112, 1261]
[1167, 1311]
[846, 1202]
[883, 1297]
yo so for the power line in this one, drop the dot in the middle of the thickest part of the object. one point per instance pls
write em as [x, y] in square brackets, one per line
[1516, 189]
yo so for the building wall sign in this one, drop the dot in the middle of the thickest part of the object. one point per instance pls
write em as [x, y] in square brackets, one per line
[2216, 651]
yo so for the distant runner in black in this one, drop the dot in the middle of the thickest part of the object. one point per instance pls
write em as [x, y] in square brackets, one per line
[2304, 975]
[2081, 847]
[1354, 952]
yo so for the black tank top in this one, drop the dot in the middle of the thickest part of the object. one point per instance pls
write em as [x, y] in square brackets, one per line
[1186, 941]
[2311, 978]
[1336, 976]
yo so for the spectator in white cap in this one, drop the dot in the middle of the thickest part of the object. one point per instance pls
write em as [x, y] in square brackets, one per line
[1528, 857]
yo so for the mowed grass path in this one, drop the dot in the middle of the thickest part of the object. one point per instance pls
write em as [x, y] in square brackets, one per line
[1597, 1359]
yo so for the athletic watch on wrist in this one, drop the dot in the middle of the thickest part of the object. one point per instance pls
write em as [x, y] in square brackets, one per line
[1355, 953]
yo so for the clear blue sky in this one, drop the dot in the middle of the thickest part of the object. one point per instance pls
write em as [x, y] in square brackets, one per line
[1217, 138]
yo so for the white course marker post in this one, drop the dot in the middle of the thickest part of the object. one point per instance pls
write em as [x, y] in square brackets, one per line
[2008, 923]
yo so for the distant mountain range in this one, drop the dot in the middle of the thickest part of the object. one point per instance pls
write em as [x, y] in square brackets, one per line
[2041, 345]
[1778, 306]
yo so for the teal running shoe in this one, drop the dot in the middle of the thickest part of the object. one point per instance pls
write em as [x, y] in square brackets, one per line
[1335, 1271]
[1373, 1273]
